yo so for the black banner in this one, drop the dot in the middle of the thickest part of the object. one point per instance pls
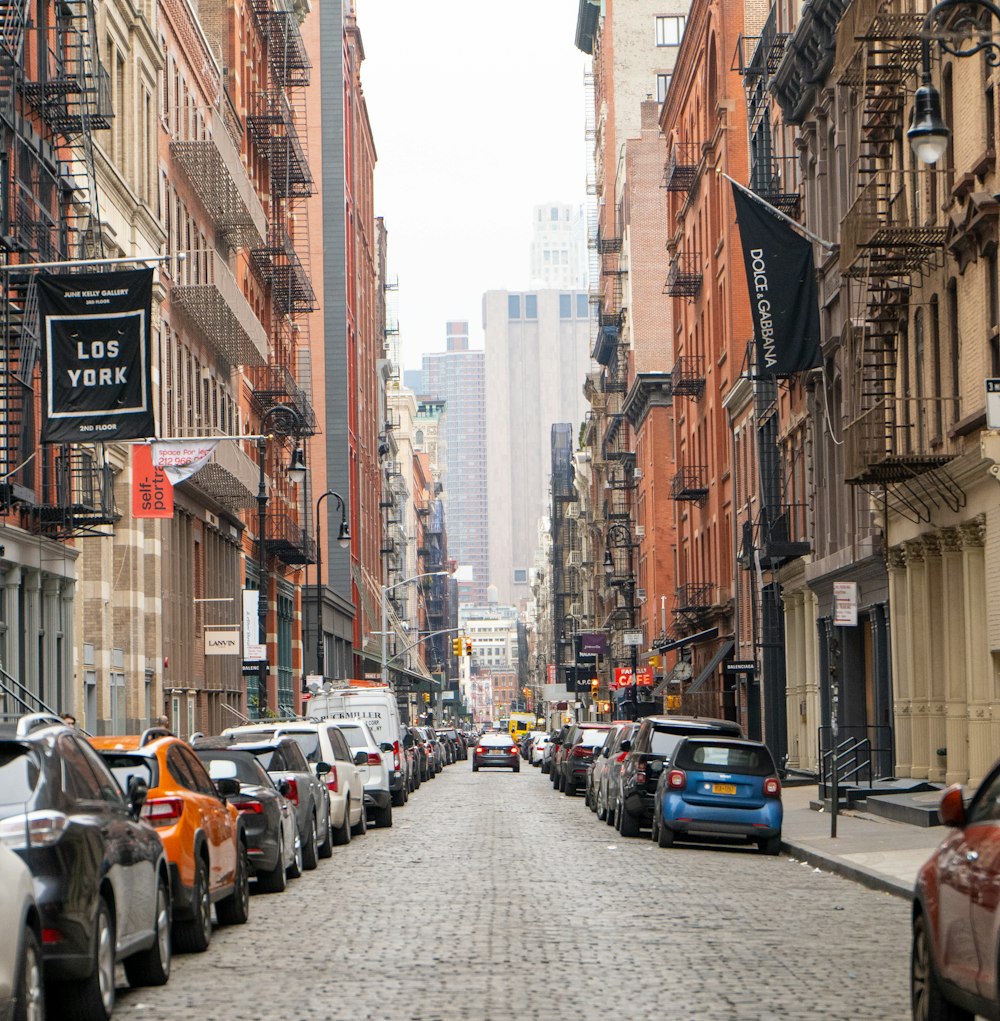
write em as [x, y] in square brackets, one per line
[782, 282]
[96, 356]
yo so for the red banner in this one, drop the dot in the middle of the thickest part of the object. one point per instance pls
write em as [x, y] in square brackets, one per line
[550, 673]
[152, 494]
[623, 677]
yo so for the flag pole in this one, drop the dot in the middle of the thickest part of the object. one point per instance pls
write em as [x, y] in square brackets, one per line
[828, 245]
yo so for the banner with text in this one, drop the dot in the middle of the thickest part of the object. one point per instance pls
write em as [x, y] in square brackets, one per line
[783, 296]
[181, 459]
[623, 677]
[152, 494]
[96, 356]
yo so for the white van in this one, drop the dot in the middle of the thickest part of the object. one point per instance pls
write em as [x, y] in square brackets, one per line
[377, 707]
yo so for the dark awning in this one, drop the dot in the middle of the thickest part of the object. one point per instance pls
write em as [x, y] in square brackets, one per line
[720, 654]
[679, 643]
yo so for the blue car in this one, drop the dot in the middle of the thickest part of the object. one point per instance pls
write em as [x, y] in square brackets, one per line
[719, 787]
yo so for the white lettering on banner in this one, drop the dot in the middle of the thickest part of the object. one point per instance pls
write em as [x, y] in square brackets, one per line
[97, 377]
[759, 267]
[96, 349]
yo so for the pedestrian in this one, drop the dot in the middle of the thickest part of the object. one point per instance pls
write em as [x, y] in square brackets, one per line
[163, 721]
[69, 719]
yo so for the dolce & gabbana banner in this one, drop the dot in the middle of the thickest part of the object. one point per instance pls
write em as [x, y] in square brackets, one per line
[96, 356]
[782, 282]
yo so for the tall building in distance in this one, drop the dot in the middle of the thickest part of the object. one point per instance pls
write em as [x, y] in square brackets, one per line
[558, 246]
[457, 377]
[537, 355]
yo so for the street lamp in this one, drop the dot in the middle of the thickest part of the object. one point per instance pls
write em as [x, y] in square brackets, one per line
[343, 541]
[928, 134]
[288, 422]
[621, 535]
[386, 589]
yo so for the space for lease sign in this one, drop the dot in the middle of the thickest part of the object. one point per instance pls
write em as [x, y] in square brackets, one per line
[96, 355]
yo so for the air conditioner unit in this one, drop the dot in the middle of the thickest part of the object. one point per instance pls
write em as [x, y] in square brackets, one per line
[576, 559]
[575, 609]
[640, 595]
[639, 531]
[212, 520]
[637, 474]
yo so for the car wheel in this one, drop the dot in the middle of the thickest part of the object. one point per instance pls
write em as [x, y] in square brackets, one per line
[276, 879]
[398, 798]
[770, 846]
[295, 869]
[665, 835]
[926, 996]
[544, 768]
[569, 788]
[194, 935]
[628, 825]
[475, 768]
[152, 967]
[93, 998]
[602, 810]
[310, 848]
[609, 815]
[325, 849]
[342, 833]
[29, 992]
[235, 909]
[361, 827]
[383, 816]
[517, 767]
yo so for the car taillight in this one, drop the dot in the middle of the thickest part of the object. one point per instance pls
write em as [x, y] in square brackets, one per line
[37, 829]
[640, 773]
[251, 806]
[374, 759]
[580, 752]
[162, 811]
[293, 791]
[620, 757]
[331, 780]
[51, 936]
[676, 779]
[395, 756]
[513, 749]
[772, 787]
[480, 750]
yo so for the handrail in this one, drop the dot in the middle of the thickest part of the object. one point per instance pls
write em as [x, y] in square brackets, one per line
[12, 688]
[236, 713]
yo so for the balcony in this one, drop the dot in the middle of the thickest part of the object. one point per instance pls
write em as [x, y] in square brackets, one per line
[884, 225]
[681, 169]
[274, 384]
[694, 601]
[286, 541]
[607, 341]
[616, 445]
[208, 294]
[215, 170]
[684, 276]
[778, 538]
[274, 132]
[76, 494]
[71, 98]
[278, 263]
[231, 478]
[688, 376]
[690, 484]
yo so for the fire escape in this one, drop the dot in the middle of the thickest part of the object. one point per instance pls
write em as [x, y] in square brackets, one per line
[54, 94]
[890, 236]
[565, 578]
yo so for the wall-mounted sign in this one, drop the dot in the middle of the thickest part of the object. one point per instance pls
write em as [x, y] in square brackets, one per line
[740, 666]
[623, 677]
[993, 404]
[845, 603]
[152, 494]
[222, 642]
[630, 638]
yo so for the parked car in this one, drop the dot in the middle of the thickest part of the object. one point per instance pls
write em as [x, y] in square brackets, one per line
[559, 748]
[581, 747]
[22, 988]
[538, 749]
[101, 876]
[412, 754]
[201, 831]
[548, 751]
[649, 752]
[323, 744]
[283, 759]
[437, 749]
[954, 962]
[449, 737]
[610, 780]
[424, 754]
[597, 772]
[375, 771]
[719, 787]
[272, 834]
[496, 750]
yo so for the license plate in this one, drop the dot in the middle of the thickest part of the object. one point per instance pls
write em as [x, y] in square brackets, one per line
[723, 788]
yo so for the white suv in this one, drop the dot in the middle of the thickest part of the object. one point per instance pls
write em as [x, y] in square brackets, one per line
[376, 774]
[323, 741]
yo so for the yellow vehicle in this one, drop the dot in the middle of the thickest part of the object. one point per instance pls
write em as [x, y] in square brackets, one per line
[520, 723]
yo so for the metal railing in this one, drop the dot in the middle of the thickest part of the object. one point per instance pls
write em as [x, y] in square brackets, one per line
[861, 755]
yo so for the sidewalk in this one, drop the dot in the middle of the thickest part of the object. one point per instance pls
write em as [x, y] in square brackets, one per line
[882, 854]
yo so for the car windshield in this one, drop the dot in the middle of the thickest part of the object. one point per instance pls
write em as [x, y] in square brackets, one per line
[234, 766]
[355, 736]
[753, 760]
[496, 741]
[663, 743]
[124, 767]
[308, 741]
[593, 738]
[249, 736]
[19, 774]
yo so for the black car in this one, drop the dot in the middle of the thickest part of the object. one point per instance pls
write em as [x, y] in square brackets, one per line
[423, 753]
[648, 753]
[273, 844]
[496, 750]
[102, 880]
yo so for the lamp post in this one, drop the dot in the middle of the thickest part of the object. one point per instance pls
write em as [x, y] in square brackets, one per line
[289, 422]
[622, 536]
[928, 134]
[343, 541]
[386, 589]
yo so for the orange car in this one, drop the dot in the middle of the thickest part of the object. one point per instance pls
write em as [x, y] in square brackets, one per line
[201, 831]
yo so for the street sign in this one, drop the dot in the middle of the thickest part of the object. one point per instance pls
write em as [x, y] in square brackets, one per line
[845, 603]
[740, 666]
[255, 651]
[222, 642]
[993, 404]
[632, 638]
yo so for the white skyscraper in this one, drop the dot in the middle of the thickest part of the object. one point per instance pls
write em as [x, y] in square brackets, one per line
[558, 247]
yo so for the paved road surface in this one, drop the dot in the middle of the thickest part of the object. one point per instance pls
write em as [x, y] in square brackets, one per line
[494, 897]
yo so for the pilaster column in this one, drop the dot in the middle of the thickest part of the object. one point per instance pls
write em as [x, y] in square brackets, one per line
[811, 673]
[982, 754]
[49, 679]
[931, 623]
[952, 629]
[899, 634]
[917, 615]
[31, 629]
[12, 645]
[70, 685]
[795, 677]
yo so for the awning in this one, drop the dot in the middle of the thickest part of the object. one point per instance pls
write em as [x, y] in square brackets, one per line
[679, 643]
[724, 650]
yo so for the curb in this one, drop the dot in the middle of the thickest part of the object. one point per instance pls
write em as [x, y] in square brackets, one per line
[858, 873]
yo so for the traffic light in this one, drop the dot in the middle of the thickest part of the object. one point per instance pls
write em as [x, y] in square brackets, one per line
[468, 646]
[595, 683]
[456, 646]
[427, 696]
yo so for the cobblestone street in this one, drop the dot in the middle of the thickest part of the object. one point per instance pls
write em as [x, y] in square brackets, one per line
[493, 896]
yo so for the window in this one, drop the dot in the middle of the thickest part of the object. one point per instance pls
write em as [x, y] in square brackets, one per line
[582, 311]
[513, 306]
[993, 307]
[79, 781]
[117, 702]
[662, 87]
[669, 29]
[531, 306]
[565, 306]
[553, 214]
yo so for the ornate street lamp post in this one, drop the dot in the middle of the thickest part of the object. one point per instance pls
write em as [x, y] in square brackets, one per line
[343, 541]
[620, 535]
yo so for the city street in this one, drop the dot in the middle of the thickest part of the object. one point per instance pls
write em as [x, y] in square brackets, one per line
[493, 896]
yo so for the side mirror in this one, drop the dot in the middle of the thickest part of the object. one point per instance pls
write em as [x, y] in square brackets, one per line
[227, 788]
[605, 752]
[951, 811]
[361, 758]
[284, 788]
[625, 746]
[322, 768]
[137, 794]
[385, 746]
[408, 741]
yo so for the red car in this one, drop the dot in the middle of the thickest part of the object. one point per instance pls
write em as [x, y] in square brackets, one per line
[956, 924]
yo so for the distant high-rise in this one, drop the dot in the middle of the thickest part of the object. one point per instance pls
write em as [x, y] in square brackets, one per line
[457, 376]
[415, 380]
[558, 247]
[537, 357]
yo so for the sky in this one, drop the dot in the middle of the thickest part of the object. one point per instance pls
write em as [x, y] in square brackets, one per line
[477, 110]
